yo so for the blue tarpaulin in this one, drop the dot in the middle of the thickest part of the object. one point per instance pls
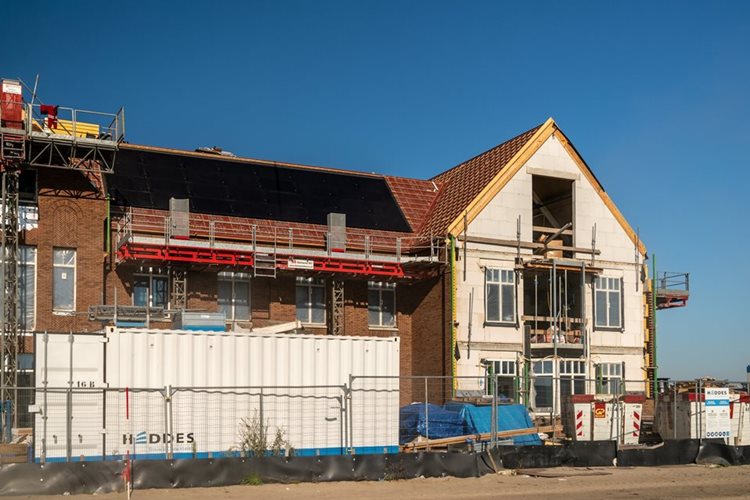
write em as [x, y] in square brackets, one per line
[478, 420]
[442, 423]
[460, 419]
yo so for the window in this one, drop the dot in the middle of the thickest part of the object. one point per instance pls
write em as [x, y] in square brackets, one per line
[609, 378]
[500, 296]
[381, 304]
[64, 279]
[151, 290]
[311, 301]
[234, 295]
[572, 377]
[543, 372]
[27, 288]
[502, 376]
[608, 304]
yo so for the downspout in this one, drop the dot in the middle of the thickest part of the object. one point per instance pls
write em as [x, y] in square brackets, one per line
[653, 322]
[109, 229]
[452, 258]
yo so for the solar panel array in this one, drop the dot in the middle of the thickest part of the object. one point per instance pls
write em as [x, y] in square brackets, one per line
[148, 179]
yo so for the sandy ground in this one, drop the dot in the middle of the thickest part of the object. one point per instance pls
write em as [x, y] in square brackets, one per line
[691, 481]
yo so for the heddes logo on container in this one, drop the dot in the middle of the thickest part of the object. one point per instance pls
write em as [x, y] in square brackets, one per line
[144, 437]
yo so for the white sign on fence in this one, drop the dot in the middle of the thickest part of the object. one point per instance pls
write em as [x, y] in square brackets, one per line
[718, 423]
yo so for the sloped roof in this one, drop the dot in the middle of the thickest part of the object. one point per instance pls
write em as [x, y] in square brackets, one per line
[414, 196]
[460, 185]
[252, 189]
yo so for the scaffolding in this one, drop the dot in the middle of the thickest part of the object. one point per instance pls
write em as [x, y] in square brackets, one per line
[143, 235]
[37, 135]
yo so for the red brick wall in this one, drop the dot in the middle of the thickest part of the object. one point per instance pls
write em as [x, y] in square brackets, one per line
[69, 216]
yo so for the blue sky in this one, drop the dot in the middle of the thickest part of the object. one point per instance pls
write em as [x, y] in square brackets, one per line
[654, 95]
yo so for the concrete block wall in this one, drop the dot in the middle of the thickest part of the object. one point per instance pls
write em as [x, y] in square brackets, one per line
[498, 220]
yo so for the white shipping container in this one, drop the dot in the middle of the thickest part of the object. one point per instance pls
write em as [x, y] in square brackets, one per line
[191, 394]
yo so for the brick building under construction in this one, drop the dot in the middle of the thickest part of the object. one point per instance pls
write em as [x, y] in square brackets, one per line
[515, 261]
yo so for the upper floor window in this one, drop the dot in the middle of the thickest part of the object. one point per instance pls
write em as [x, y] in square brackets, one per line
[608, 302]
[381, 304]
[27, 288]
[311, 300]
[64, 279]
[234, 295]
[151, 290]
[500, 296]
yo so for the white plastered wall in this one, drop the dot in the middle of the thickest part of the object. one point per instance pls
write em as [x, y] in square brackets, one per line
[499, 220]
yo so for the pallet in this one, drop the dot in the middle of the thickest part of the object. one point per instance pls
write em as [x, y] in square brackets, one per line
[14, 453]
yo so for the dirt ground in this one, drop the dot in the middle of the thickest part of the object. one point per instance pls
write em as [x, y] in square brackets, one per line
[690, 481]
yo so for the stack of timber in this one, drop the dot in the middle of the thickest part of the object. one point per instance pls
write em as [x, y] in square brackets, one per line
[421, 444]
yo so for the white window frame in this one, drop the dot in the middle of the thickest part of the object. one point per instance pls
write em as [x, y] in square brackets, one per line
[502, 369]
[608, 286]
[150, 277]
[235, 279]
[573, 370]
[500, 278]
[33, 264]
[382, 288]
[547, 371]
[606, 375]
[308, 284]
[74, 267]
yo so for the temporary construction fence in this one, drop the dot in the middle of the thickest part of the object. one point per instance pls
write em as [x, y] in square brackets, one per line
[684, 412]
[364, 415]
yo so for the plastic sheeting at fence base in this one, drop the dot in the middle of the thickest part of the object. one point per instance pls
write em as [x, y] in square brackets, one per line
[673, 452]
[590, 454]
[60, 478]
[717, 453]
[105, 477]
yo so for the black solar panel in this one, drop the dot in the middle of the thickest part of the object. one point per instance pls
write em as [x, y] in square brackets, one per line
[147, 179]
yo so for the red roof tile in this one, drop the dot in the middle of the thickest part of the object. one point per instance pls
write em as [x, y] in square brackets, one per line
[462, 183]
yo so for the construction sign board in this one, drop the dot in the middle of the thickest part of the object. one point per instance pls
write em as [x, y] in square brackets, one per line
[600, 409]
[718, 419]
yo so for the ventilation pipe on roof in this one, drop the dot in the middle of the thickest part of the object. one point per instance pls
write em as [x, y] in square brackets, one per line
[337, 232]
[215, 150]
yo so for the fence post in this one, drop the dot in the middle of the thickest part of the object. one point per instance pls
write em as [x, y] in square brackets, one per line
[44, 415]
[701, 404]
[262, 419]
[493, 427]
[426, 415]
[168, 438]
[674, 410]
[69, 403]
[350, 407]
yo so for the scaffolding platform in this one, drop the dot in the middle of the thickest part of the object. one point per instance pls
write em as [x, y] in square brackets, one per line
[672, 290]
[146, 237]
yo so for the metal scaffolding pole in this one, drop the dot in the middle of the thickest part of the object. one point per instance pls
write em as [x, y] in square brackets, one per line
[9, 275]
[337, 306]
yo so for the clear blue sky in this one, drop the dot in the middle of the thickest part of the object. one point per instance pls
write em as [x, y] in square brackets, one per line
[655, 96]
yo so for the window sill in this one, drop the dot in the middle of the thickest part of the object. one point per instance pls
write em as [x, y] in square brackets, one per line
[383, 328]
[500, 323]
[608, 329]
[63, 313]
[314, 325]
